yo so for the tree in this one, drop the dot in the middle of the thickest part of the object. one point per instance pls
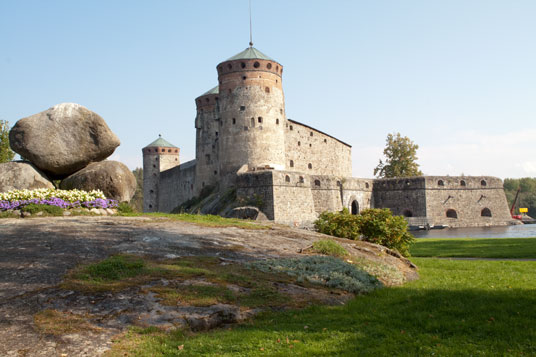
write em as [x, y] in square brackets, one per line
[6, 154]
[400, 158]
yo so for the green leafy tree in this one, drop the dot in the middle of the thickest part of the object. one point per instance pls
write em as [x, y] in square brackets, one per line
[400, 158]
[6, 154]
[527, 193]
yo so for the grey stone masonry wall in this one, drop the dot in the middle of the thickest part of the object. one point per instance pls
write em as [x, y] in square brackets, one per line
[465, 201]
[454, 201]
[293, 198]
[312, 152]
[256, 187]
[404, 196]
[208, 131]
[176, 186]
[357, 190]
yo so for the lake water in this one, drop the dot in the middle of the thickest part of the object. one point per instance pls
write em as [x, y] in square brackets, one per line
[518, 231]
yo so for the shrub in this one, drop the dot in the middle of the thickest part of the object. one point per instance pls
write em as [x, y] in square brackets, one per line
[329, 247]
[372, 225]
[381, 227]
[328, 271]
[124, 207]
[341, 224]
[48, 210]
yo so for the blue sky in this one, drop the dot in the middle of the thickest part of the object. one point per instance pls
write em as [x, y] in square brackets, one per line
[458, 77]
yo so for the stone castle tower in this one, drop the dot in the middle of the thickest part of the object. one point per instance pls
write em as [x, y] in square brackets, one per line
[158, 156]
[241, 121]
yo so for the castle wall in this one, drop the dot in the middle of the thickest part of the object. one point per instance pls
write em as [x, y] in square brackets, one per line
[404, 196]
[207, 124]
[176, 186]
[252, 112]
[253, 188]
[315, 153]
[358, 190]
[293, 198]
[471, 197]
[456, 201]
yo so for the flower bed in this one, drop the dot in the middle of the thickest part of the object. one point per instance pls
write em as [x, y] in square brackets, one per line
[65, 199]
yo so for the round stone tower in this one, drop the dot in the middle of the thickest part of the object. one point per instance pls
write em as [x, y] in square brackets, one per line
[207, 125]
[252, 113]
[158, 156]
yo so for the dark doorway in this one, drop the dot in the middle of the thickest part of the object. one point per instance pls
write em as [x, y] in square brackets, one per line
[407, 213]
[452, 214]
[355, 207]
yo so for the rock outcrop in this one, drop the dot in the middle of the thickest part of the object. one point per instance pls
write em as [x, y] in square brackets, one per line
[248, 212]
[21, 175]
[113, 178]
[63, 139]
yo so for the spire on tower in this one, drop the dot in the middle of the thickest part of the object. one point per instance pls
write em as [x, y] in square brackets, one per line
[250, 27]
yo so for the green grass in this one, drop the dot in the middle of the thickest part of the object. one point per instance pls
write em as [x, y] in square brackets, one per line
[47, 210]
[329, 247]
[457, 308]
[207, 220]
[475, 248]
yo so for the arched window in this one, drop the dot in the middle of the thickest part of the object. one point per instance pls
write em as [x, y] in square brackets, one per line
[355, 207]
[317, 182]
[301, 179]
[407, 213]
[462, 183]
[291, 163]
[440, 183]
[287, 178]
[486, 212]
[483, 183]
[367, 185]
[310, 166]
[452, 213]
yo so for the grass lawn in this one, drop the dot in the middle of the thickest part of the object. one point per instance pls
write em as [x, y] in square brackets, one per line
[475, 247]
[457, 308]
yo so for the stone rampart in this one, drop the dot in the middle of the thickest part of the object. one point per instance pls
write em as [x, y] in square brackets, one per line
[313, 152]
[176, 186]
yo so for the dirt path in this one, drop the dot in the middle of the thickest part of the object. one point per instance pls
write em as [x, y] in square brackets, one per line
[36, 254]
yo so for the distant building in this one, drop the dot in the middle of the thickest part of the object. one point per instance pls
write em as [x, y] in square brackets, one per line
[245, 140]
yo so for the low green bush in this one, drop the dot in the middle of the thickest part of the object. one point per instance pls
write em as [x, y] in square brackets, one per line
[328, 271]
[372, 225]
[338, 224]
[329, 247]
[46, 209]
[124, 207]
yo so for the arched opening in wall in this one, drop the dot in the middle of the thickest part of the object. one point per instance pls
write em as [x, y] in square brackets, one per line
[483, 183]
[269, 66]
[301, 179]
[256, 64]
[317, 183]
[234, 121]
[486, 212]
[244, 78]
[267, 89]
[299, 143]
[291, 128]
[462, 183]
[452, 213]
[287, 178]
[311, 133]
[242, 108]
[230, 66]
[242, 64]
[259, 119]
[150, 206]
[440, 183]
[277, 121]
[367, 185]
[355, 207]
[310, 166]
[407, 213]
[154, 166]
[291, 163]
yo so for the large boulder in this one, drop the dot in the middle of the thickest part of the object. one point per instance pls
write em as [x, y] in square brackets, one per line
[113, 178]
[63, 139]
[19, 175]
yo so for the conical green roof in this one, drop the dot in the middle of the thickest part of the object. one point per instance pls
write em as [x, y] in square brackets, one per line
[250, 53]
[214, 90]
[161, 143]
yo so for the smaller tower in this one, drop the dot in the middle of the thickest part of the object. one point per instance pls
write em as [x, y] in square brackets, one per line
[158, 156]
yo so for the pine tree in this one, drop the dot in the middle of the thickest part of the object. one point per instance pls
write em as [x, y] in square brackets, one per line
[400, 158]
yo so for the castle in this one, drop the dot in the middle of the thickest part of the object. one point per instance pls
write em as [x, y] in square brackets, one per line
[245, 140]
